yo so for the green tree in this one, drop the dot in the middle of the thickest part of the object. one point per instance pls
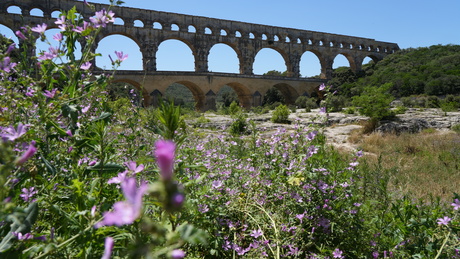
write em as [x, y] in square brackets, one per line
[375, 102]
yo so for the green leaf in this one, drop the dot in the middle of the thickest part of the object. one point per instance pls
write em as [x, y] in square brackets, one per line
[193, 235]
[108, 167]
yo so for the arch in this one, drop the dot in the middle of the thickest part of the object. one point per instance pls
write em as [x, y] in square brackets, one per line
[299, 41]
[268, 59]
[223, 51]
[238, 34]
[138, 86]
[139, 23]
[342, 60]
[191, 29]
[124, 43]
[225, 96]
[251, 35]
[175, 55]
[287, 39]
[175, 27]
[196, 91]
[37, 12]
[289, 93]
[208, 30]
[310, 64]
[9, 33]
[119, 21]
[158, 25]
[13, 9]
[56, 14]
[276, 38]
[264, 36]
[243, 93]
[181, 95]
[223, 32]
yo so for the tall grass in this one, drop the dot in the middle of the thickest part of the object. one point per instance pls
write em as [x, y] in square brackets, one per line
[425, 164]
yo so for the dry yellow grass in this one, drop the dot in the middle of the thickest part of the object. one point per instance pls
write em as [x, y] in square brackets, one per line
[425, 164]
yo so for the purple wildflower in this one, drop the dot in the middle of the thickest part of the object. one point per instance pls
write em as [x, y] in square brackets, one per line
[61, 22]
[444, 221]
[6, 65]
[164, 153]
[257, 233]
[80, 29]
[132, 166]
[12, 134]
[40, 28]
[21, 236]
[456, 204]
[322, 110]
[53, 53]
[102, 18]
[177, 200]
[120, 56]
[177, 254]
[126, 212]
[50, 94]
[337, 253]
[86, 65]
[108, 246]
[20, 35]
[58, 37]
[203, 208]
[31, 150]
[27, 194]
[322, 87]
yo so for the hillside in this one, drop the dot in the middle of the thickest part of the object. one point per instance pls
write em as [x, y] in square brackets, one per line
[431, 70]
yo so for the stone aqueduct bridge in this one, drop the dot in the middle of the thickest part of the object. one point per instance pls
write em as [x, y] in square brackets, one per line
[201, 34]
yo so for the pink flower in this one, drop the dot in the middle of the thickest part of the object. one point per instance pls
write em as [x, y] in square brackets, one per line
[444, 221]
[322, 87]
[86, 65]
[177, 254]
[58, 37]
[40, 28]
[120, 56]
[12, 134]
[132, 166]
[28, 154]
[102, 18]
[337, 253]
[61, 22]
[164, 153]
[108, 246]
[257, 233]
[126, 212]
[20, 35]
[456, 204]
[50, 94]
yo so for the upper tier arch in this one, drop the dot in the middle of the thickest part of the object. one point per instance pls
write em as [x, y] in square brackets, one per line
[247, 38]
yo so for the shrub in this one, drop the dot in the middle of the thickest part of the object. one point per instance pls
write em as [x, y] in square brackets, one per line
[456, 128]
[272, 96]
[239, 125]
[349, 110]
[400, 110]
[234, 108]
[301, 101]
[375, 102]
[280, 114]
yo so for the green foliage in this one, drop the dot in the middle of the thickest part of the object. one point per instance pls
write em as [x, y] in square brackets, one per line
[239, 125]
[431, 70]
[272, 96]
[375, 102]
[234, 108]
[171, 124]
[275, 73]
[336, 103]
[281, 114]
[456, 128]
[400, 110]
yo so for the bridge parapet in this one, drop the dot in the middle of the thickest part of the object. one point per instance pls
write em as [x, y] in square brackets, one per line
[202, 33]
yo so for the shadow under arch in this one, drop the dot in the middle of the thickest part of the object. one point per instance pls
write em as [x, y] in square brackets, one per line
[197, 93]
[244, 95]
[289, 93]
[138, 86]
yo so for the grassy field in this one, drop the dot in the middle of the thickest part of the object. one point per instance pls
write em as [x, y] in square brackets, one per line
[423, 165]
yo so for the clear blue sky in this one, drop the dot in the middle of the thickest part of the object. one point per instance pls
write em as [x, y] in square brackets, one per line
[409, 23]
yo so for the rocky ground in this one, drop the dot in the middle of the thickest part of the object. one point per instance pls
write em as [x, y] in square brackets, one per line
[340, 125]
